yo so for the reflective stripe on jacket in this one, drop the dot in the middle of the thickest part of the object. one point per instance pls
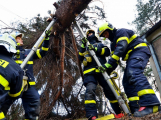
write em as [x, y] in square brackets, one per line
[125, 41]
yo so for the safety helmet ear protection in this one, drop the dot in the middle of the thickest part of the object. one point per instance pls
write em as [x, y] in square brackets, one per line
[8, 42]
[90, 31]
[16, 34]
[104, 27]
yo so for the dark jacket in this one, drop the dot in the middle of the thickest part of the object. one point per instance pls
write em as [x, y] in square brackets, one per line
[123, 44]
[11, 76]
[21, 55]
[102, 52]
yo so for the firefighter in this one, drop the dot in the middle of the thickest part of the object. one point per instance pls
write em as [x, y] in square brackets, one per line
[131, 48]
[92, 76]
[11, 74]
[30, 98]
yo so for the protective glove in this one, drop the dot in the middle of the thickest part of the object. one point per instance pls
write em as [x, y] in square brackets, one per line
[84, 41]
[104, 67]
[91, 47]
[47, 34]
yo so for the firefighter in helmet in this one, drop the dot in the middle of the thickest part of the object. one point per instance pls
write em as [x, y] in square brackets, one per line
[92, 76]
[131, 48]
[11, 75]
[30, 97]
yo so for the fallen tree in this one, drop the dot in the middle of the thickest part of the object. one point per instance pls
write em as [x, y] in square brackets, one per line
[66, 12]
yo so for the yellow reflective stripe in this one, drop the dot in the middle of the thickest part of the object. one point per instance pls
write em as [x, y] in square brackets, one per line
[44, 49]
[126, 38]
[108, 117]
[18, 52]
[81, 54]
[115, 57]
[3, 81]
[2, 115]
[133, 98]
[123, 38]
[146, 91]
[17, 94]
[20, 62]
[89, 101]
[32, 83]
[103, 51]
[89, 70]
[139, 45]
[96, 70]
[3, 63]
[132, 38]
[127, 55]
[7, 88]
[113, 101]
[155, 109]
[30, 62]
[112, 52]
[38, 53]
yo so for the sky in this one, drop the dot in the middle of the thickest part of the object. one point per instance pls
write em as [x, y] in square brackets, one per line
[118, 12]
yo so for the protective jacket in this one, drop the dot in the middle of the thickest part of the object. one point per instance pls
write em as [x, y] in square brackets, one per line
[102, 52]
[21, 55]
[123, 44]
[11, 76]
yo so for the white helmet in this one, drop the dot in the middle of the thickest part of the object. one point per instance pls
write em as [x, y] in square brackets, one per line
[8, 42]
[15, 34]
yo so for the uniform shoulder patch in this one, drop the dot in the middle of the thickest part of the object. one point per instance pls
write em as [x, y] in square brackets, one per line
[3, 63]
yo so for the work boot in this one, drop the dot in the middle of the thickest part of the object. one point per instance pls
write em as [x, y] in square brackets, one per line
[119, 115]
[147, 110]
[93, 118]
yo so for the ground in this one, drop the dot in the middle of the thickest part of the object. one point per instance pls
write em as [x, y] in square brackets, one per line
[154, 116]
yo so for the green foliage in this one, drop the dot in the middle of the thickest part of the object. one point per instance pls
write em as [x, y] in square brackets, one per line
[148, 14]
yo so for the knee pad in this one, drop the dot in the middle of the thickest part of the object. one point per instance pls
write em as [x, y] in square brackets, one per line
[90, 91]
[34, 110]
[130, 76]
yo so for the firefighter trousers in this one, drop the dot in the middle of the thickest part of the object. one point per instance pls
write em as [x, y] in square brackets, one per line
[90, 95]
[30, 101]
[136, 85]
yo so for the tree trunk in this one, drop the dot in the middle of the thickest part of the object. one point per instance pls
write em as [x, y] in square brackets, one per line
[67, 11]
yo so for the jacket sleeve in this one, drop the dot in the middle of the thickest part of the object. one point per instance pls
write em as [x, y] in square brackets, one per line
[16, 85]
[121, 45]
[81, 51]
[40, 53]
[102, 50]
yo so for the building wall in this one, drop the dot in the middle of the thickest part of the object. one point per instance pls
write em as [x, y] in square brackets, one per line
[155, 41]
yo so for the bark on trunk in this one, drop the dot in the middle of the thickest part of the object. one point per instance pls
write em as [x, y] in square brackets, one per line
[67, 11]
